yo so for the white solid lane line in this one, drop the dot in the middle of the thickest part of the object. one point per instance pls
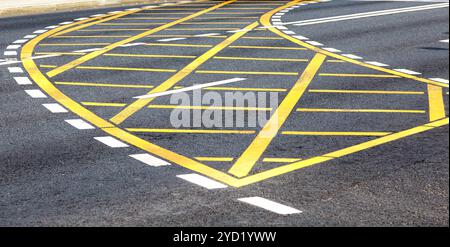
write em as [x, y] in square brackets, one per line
[367, 14]
[270, 205]
[150, 160]
[55, 108]
[186, 89]
[202, 181]
[80, 124]
[111, 142]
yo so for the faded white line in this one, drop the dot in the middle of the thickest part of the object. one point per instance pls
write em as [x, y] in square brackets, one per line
[150, 160]
[270, 205]
[202, 181]
[111, 142]
[186, 89]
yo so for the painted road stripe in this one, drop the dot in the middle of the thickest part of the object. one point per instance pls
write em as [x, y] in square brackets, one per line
[15, 70]
[301, 37]
[133, 44]
[444, 41]
[111, 142]
[314, 43]
[10, 53]
[360, 110]
[30, 37]
[191, 131]
[171, 39]
[55, 108]
[352, 56]
[23, 80]
[36, 94]
[150, 160]
[40, 31]
[312, 133]
[20, 41]
[12, 47]
[202, 181]
[407, 71]
[377, 64]
[359, 75]
[332, 50]
[440, 80]
[270, 205]
[207, 35]
[365, 92]
[196, 87]
[367, 14]
[80, 124]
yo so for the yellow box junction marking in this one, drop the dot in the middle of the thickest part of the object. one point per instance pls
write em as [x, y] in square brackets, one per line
[141, 103]
[196, 166]
[436, 99]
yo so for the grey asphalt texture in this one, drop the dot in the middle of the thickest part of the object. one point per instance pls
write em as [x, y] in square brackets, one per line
[54, 175]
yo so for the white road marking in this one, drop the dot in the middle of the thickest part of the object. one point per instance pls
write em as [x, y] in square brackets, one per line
[202, 181]
[301, 37]
[352, 56]
[80, 124]
[99, 15]
[332, 50]
[132, 44]
[444, 41]
[89, 50]
[20, 41]
[51, 27]
[55, 108]
[81, 19]
[150, 160]
[111, 142]
[270, 205]
[289, 32]
[15, 70]
[207, 35]
[377, 64]
[315, 43]
[30, 37]
[407, 71]
[10, 53]
[23, 80]
[40, 31]
[171, 39]
[186, 89]
[13, 47]
[367, 14]
[440, 80]
[36, 94]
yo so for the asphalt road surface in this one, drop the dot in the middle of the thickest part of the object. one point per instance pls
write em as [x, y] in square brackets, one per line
[358, 135]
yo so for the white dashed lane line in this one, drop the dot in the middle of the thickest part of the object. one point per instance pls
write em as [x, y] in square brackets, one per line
[202, 181]
[440, 80]
[150, 160]
[15, 70]
[407, 71]
[36, 94]
[270, 205]
[23, 80]
[55, 108]
[80, 124]
[111, 142]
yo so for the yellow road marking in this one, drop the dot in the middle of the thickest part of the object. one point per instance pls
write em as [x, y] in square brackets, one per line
[139, 104]
[214, 159]
[117, 69]
[234, 13]
[61, 53]
[91, 84]
[224, 17]
[204, 29]
[359, 75]
[75, 44]
[146, 55]
[149, 18]
[216, 23]
[312, 133]
[252, 154]
[246, 72]
[112, 29]
[280, 160]
[90, 36]
[262, 59]
[179, 45]
[224, 108]
[267, 47]
[191, 131]
[133, 24]
[365, 92]
[361, 110]
[436, 102]
[106, 49]
[103, 104]
[246, 89]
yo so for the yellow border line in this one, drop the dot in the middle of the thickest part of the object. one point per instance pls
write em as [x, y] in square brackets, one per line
[253, 153]
[436, 103]
[141, 103]
[108, 48]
